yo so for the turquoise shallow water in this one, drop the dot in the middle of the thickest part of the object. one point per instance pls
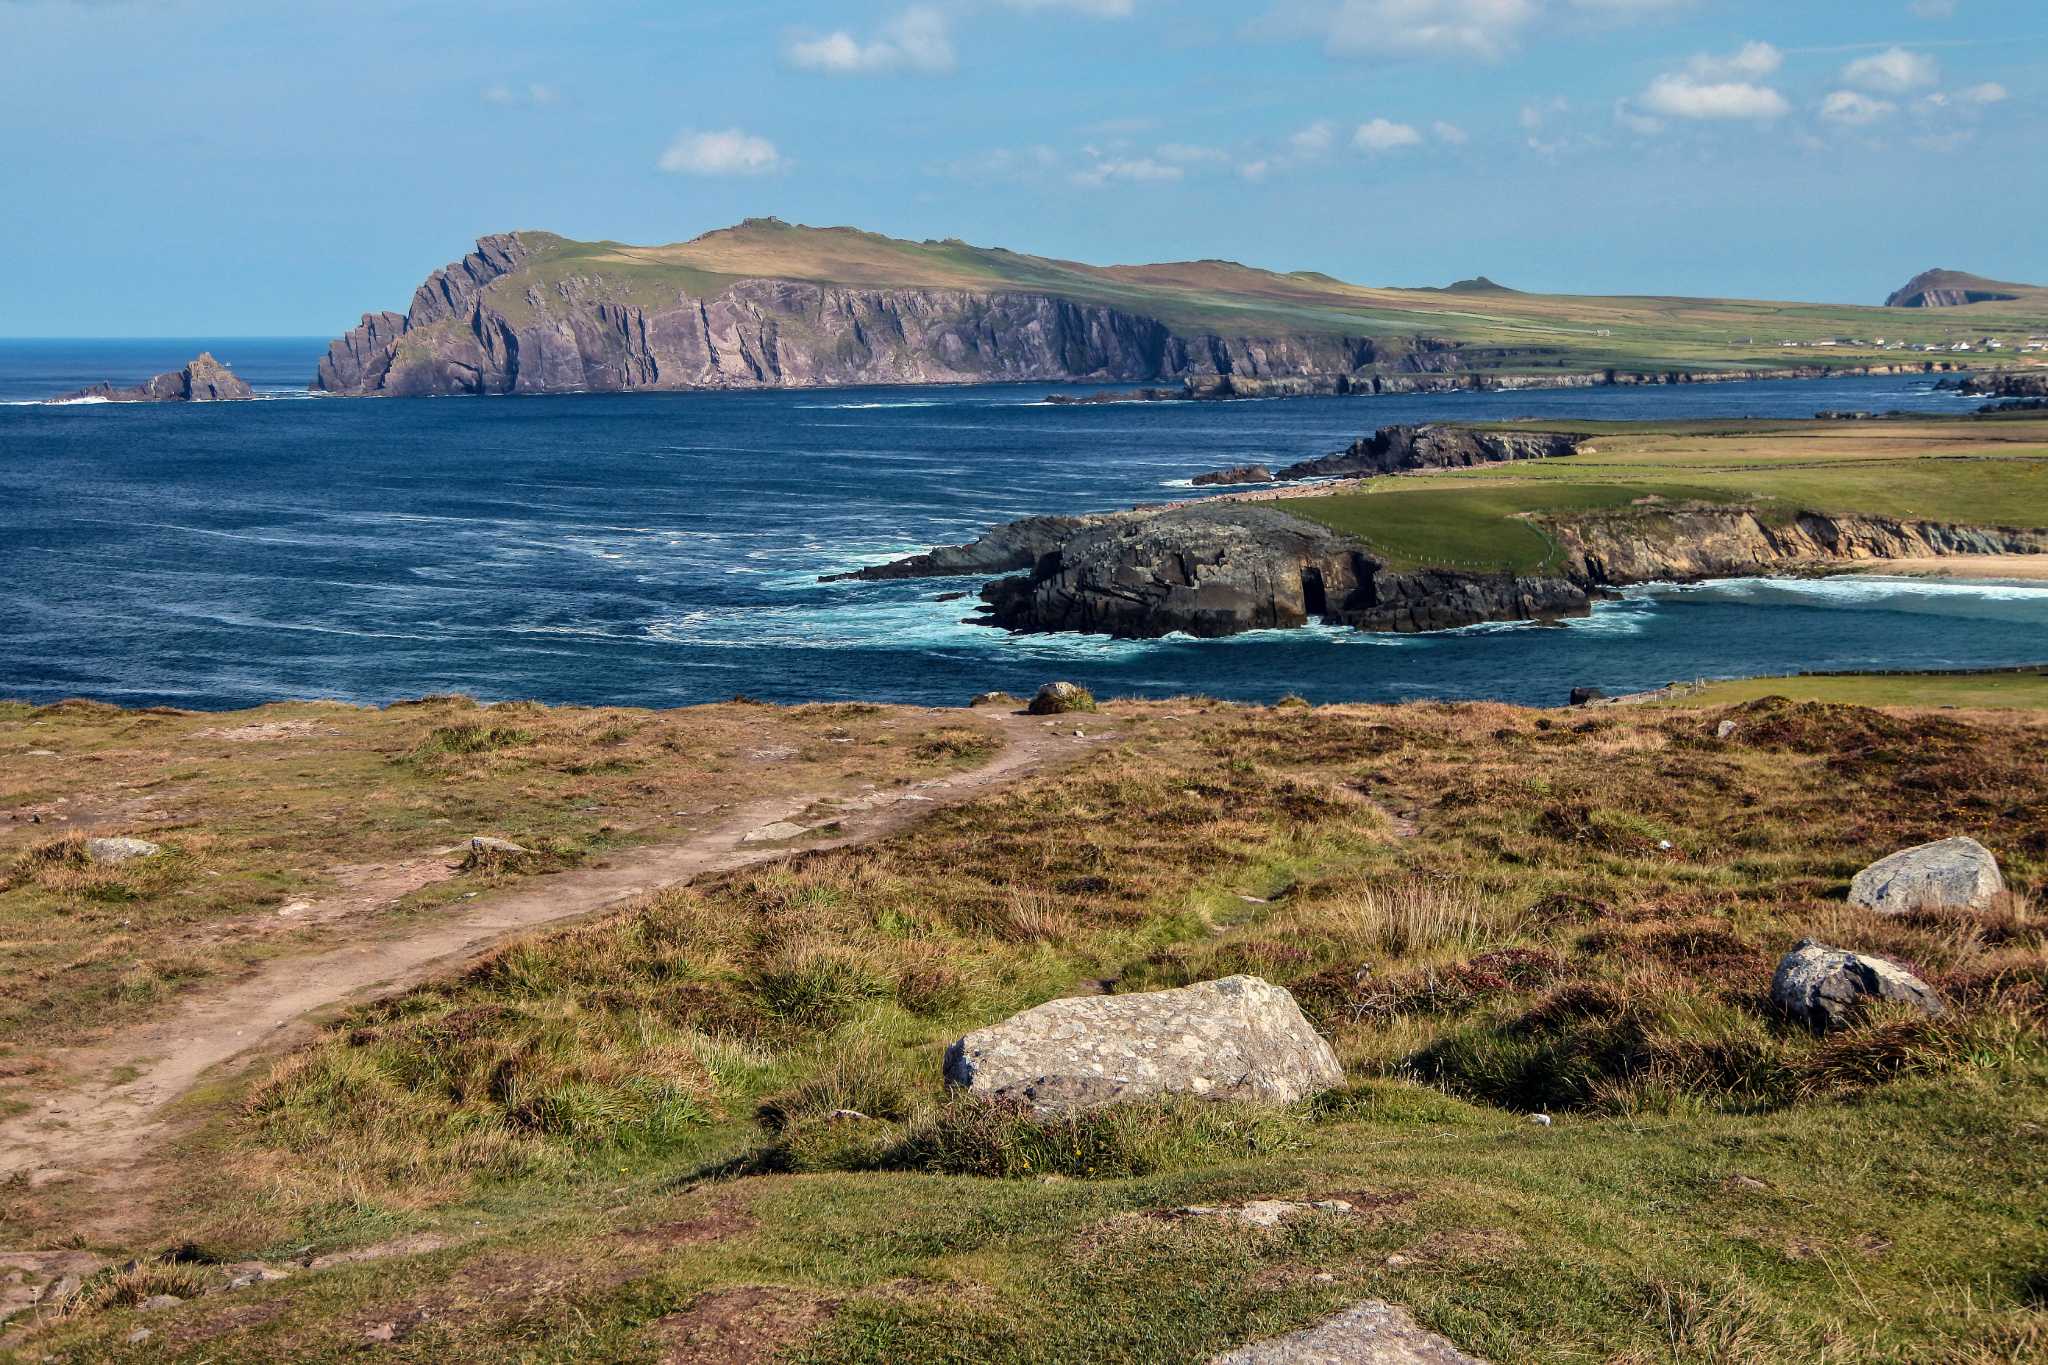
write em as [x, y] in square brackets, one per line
[663, 549]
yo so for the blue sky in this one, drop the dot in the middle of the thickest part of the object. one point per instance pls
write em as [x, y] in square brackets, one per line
[178, 167]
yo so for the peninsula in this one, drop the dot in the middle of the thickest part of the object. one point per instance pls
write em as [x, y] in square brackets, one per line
[1433, 528]
[767, 304]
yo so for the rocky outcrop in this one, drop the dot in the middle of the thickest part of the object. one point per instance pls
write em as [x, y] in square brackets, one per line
[1951, 289]
[1398, 449]
[2001, 384]
[1237, 473]
[1240, 1038]
[1822, 987]
[205, 380]
[1220, 568]
[1683, 544]
[1949, 874]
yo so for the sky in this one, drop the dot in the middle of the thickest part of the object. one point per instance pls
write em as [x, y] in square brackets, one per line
[228, 167]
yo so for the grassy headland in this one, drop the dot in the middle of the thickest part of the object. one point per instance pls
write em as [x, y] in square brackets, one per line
[1972, 473]
[1531, 333]
[716, 1115]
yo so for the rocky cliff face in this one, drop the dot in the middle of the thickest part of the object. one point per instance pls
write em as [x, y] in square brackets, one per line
[487, 325]
[205, 380]
[1684, 544]
[1950, 289]
[1397, 449]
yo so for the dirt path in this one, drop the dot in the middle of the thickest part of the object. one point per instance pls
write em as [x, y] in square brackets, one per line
[102, 1136]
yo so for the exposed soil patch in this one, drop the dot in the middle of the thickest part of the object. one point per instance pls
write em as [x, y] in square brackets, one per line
[740, 1326]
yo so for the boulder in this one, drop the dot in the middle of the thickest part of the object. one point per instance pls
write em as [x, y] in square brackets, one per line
[1950, 874]
[1370, 1333]
[1586, 696]
[112, 851]
[484, 843]
[1817, 985]
[1240, 1038]
[1058, 698]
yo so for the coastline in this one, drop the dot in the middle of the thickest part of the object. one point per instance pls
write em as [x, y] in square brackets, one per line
[1963, 568]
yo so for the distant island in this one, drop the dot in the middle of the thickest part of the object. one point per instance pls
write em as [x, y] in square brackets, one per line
[204, 380]
[767, 304]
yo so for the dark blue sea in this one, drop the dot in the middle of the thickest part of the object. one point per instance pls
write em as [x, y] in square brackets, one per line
[664, 549]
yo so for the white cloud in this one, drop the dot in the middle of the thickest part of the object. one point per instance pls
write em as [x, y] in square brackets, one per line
[1850, 109]
[1538, 112]
[1134, 170]
[1384, 135]
[730, 152]
[1190, 154]
[1314, 140]
[532, 96]
[1255, 171]
[1625, 114]
[918, 39]
[1683, 95]
[1933, 9]
[1477, 30]
[1450, 133]
[1101, 9]
[1991, 92]
[1751, 61]
[1894, 71]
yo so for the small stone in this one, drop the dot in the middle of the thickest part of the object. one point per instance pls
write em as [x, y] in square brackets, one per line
[1726, 730]
[1540, 1120]
[484, 843]
[61, 1290]
[383, 1331]
[112, 851]
[996, 699]
[138, 1336]
[156, 1303]
[1949, 874]
[768, 834]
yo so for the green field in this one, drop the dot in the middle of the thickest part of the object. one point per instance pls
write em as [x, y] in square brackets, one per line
[2023, 691]
[1509, 330]
[1958, 471]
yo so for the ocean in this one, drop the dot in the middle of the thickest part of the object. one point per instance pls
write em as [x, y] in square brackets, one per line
[663, 549]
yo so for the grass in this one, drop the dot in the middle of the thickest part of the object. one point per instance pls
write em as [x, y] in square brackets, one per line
[370, 808]
[1962, 472]
[729, 1095]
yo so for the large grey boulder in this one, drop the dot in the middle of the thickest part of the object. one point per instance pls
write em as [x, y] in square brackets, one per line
[1951, 874]
[1235, 1039]
[1818, 985]
[1372, 1333]
[111, 851]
